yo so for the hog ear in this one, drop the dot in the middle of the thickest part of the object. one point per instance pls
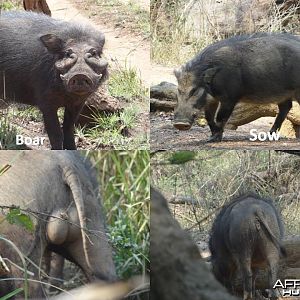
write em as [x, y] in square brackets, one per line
[177, 73]
[52, 42]
[102, 39]
[209, 76]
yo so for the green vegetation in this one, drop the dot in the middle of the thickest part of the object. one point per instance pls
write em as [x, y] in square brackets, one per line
[30, 113]
[212, 178]
[113, 130]
[12, 294]
[124, 179]
[7, 134]
[125, 83]
[6, 5]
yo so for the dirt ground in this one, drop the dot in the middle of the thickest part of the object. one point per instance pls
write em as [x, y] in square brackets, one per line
[165, 137]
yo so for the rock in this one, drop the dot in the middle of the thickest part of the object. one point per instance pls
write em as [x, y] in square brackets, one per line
[164, 90]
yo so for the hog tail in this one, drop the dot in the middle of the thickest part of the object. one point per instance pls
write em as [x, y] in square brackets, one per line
[261, 219]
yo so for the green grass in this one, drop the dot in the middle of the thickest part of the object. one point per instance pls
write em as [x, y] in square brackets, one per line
[126, 82]
[8, 134]
[7, 5]
[124, 178]
[29, 113]
[114, 130]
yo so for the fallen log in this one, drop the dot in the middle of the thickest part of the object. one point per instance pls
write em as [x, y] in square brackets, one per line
[98, 103]
[162, 105]
[37, 5]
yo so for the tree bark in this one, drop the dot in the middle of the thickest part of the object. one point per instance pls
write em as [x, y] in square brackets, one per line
[37, 5]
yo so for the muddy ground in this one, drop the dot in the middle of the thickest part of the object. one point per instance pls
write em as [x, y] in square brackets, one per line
[165, 137]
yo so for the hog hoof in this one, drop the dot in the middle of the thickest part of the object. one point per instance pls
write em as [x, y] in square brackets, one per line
[217, 137]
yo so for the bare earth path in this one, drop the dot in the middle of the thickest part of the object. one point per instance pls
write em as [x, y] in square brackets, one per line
[126, 50]
[165, 137]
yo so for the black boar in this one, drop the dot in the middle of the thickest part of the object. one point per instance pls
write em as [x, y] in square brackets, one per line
[259, 68]
[50, 64]
[246, 236]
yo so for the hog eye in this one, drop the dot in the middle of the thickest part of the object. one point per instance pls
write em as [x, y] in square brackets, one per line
[69, 53]
[193, 92]
[93, 52]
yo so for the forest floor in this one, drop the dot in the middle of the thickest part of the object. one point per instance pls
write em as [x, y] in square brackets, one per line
[165, 137]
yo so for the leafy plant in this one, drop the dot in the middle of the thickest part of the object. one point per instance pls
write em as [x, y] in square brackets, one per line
[125, 82]
[8, 134]
[15, 216]
[124, 177]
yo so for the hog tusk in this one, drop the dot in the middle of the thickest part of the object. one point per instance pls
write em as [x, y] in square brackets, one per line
[63, 77]
[98, 76]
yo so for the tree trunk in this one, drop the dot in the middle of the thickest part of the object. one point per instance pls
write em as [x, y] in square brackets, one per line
[37, 5]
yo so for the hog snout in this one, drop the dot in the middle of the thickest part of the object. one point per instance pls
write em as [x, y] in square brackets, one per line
[182, 125]
[183, 121]
[81, 83]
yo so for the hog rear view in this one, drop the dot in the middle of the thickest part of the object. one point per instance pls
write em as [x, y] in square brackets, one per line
[245, 237]
[260, 68]
[62, 187]
[50, 64]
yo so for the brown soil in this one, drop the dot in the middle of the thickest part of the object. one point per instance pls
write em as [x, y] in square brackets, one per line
[165, 137]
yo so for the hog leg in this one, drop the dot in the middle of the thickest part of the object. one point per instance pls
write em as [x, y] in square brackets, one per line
[284, 108]
[254, 275]
[56, 270]
[70, 117]
[272, 274]
[247, 276]
[52, 127]
[223, 114]
[210, 113]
